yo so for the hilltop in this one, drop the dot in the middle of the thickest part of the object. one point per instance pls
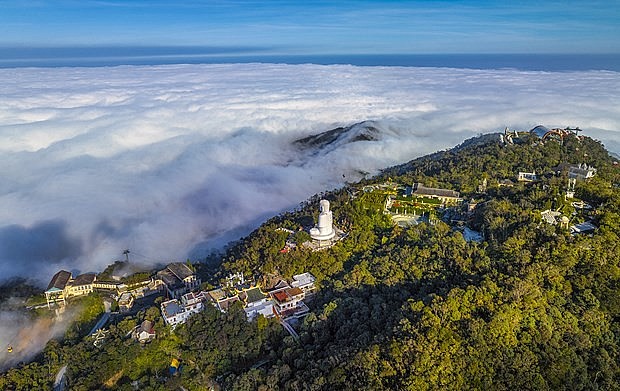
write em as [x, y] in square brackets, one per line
[532, 304]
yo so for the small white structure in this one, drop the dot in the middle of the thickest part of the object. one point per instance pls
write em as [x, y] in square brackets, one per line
[125, 302]
[145, 332]
[324, 229]
[288, 302]
[235, 279]
[570, 190]
[527, 176]
[305, 282]
[582, 228]
[175, 313]
[472, 236]
[581, 171]
[256, 303]
[550, 216]
[192, 302]
[264, 308]
[581, 205]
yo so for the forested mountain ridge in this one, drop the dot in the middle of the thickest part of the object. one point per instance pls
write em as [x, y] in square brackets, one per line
[530, 307]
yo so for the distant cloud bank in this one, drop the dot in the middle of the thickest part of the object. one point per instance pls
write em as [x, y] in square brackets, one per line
[170, 161]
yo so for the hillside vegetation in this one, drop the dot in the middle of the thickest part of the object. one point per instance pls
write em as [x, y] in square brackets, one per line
[407, 308]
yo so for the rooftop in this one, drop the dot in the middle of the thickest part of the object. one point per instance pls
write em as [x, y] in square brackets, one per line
[264, 308]
[583, 227]
[83, 279]
[192, 298]
[281, 296]
[125, 297]
[147, 326]
[254, 294]
[294, 291]
[281, 284]
[550, 216]
[224, 304]
[286, 295]
[303, 279]
[59, 281]
[420, 190]
[169, 278]
[180, 270]
[217, 294]
[171, 308]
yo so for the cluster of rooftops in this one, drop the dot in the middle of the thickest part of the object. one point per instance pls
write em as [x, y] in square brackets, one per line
[175, 279]
[284, 300]
[178, 281]
[399, 207]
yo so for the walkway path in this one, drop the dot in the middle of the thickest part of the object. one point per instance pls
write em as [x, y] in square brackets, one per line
[61, 380]
[102, 321]
[290, 329]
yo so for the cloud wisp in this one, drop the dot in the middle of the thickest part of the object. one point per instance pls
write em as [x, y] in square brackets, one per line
[170, 161]
[23, 336]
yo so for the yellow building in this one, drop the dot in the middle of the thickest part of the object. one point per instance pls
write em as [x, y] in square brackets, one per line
[81, 285]
[63, 286]
[55, 292]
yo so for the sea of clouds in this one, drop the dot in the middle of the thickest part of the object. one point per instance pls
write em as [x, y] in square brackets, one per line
[171, 161]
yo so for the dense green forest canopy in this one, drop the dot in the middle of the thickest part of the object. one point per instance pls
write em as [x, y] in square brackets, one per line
[412, 308]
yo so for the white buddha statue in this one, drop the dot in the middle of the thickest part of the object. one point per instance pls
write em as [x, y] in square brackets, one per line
[324, 229]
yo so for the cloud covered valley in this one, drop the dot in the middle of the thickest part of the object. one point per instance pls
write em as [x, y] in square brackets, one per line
[171, 161]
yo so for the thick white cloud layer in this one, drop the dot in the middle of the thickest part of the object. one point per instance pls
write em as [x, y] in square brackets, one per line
[171, 160]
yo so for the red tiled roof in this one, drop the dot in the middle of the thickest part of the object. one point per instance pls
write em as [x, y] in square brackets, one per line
[281, 296]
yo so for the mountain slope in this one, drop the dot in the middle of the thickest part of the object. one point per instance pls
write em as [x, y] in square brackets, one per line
[530, 307]
[335, 138]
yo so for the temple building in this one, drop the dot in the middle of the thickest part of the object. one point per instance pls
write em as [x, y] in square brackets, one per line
[581, 171]
[324, 229]
[447, 197]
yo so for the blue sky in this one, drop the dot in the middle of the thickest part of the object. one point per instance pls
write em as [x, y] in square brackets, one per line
[318, 27]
